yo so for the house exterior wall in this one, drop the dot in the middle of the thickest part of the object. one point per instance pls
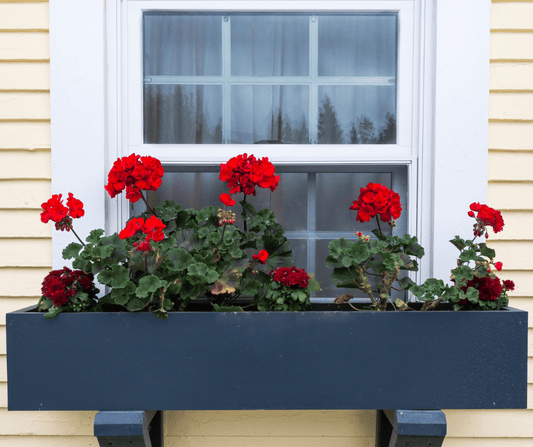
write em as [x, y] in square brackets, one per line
[25, 244]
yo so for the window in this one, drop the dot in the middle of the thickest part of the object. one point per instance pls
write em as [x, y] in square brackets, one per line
[441, 109]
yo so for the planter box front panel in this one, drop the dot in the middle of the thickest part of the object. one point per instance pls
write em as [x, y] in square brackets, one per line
[282, 360]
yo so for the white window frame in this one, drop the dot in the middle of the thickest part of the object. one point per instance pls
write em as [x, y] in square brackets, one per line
[90, 72]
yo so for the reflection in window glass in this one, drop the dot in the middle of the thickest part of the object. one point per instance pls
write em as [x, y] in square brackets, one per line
[263, 45]
[183, 114]
[270, 113]
[286, 78]
[182, 45]
[357, 45]
[357, 114]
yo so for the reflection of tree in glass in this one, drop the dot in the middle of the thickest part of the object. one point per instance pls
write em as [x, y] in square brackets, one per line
[353, 134]
[329, 131]
[170, 118]
[366, 131]
[292, 133]
[387, 134]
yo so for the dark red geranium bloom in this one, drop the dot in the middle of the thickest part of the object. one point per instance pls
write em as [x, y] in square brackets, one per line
[226, 199]
[151, 227]
[486, 217]
[290, 277]
[508, 284]
[490, 289]
[377, 199]
[61, 285]
[243, 173]
[133, 174]
[261, 257]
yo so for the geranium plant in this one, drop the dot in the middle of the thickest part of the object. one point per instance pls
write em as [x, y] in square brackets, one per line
[168, 256]
[373, 265]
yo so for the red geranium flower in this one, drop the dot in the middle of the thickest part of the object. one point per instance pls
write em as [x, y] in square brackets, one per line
[290, 276]
[261, 257]
[377, 199]
[498, 266]
[61, 285]
[243, 173]
[54, 210]
[490, 289]
[226, 199]
[486, 217]
[134, 173]
[151, 227]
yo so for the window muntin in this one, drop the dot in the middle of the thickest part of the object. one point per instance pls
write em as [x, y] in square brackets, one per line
[276, 73]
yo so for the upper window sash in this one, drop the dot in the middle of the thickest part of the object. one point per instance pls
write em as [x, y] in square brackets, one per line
[132, 98]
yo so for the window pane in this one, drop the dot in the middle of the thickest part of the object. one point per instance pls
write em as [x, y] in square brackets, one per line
[175, 114]
[275, 45]
[357, 114]
[357, 45]
[269, 113]
[182, 45]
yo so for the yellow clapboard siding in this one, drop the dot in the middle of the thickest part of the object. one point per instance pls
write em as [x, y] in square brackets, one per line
[2, 341]
[516, 225]
[510, 165]
[3, 395]
[514, 255]
[48, 441]
[231, 441]
[507, 46]
[511, 76]
[24, 46]
[512, 196]
[18, 105]
[489, 423]
[518, 302]
[270, 423]
[25, 164]
[26, 252]
[25, 76]
[23, 223]
[486, 442]
[15, 194]
[47, 423]
[510, 135]
[511, 16]
[3, 368]
[23, 16]
[25, 135]
[8, 304]
[511, 106]
[22, 282]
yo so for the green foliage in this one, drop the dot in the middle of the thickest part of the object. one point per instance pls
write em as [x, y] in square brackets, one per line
[279, 297]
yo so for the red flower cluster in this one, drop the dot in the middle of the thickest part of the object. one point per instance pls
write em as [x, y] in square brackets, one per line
[261, 257]
[290, 276]
[54, 210]
[61, 285]
[151, 227]
[377, 199]
[490, 289]
[508, 284]
[243, 173]
[226, 199]
[134, 173]
[486, 216]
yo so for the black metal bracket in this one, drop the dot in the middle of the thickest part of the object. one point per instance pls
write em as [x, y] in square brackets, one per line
[413, 428]
[129, 428]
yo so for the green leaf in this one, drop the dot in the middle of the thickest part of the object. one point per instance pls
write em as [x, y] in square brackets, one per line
[95, 236]
[472, 295]
[313, 285]
[121, 296]
[118, 277]
[458, 242]
[486, 251]
[148, 285]
[299, 295]
[135, 304]
[53, 312]
[178, 259]
[71, 250]
[468, 255]
[406, 283]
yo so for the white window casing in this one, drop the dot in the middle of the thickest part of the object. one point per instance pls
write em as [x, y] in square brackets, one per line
[97, 116]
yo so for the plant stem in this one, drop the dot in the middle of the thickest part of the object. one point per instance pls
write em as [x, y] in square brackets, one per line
[145, 262]
[148, 207]
[379, 229]
[75, 234]
[244, 213]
